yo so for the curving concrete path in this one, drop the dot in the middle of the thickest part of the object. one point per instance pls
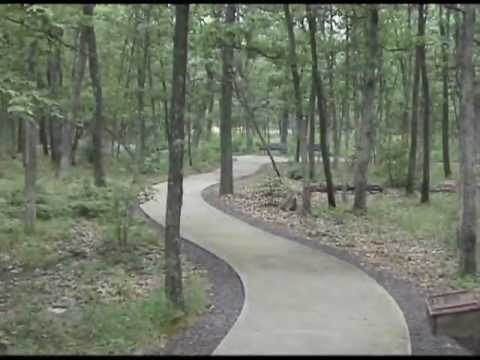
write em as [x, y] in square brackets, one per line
[297, 300]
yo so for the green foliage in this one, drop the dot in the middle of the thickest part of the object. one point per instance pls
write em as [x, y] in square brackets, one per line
[117, 328]
[156, 163]
[436, 221]
[271, 186]
[393, 163]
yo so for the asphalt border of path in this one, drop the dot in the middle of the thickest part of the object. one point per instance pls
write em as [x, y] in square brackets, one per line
[409, 297]
[226, 294]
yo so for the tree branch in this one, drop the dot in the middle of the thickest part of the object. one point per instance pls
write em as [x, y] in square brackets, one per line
[45, 32]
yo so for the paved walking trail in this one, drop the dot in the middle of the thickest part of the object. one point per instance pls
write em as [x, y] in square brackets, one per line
[298, 300]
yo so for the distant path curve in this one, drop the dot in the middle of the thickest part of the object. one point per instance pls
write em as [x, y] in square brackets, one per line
[297, 301]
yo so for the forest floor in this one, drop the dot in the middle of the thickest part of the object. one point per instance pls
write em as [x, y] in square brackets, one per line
[72, 288]
[398, 233]
[408, 247]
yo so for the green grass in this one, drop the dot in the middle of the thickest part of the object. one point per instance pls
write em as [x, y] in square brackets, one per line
[94, 327]
[117, 328]
[435, 221]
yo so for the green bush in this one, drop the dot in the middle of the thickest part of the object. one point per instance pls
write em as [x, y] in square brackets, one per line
[393, 164]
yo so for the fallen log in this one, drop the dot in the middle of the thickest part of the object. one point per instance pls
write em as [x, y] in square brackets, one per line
[371, 188]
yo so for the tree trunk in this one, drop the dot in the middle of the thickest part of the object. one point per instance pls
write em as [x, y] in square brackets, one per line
[226, 170]
[94, 67]
[445, 146]
[331, 81]
[425, 193]
[292, 60]
[284, 126]
[30, 153]
[311, 122]
[210, 90]
[346, 96]
[173, 268]
[468, 220]
[31, 136]
[43, 134]
[141, 79]
[412, 157]
[54, 78]
[251, 119]
[68, 125]
[321, 104]
[365, 139]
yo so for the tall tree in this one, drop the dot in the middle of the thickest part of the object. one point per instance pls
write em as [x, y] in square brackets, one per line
[78, 74]
[412, 157]
[30, 154]
[94, 67]
[445, 135]
[321, 104]
[173, 266]
[365, 138]
[142, 62]
[425, 193]
[468, 220]
[226, 170]
[55, 83]
[292, 61]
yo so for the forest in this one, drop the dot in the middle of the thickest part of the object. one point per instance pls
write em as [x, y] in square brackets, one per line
[351, 126]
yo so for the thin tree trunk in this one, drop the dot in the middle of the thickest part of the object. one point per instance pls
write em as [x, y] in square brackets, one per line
[425, 193]
[165, 102]
[31, 136]
[94, 67]
[311, 122]
[226, 170]
[284, 125]
[321, 104]
[292, 60]
[468, 221]
[251, 119]
[445, 121]
[365, 139]
[173, 265]
[30, 153]
[141, 79]
[79, 71]
[55, 83]
[412, 157]
[331, 81]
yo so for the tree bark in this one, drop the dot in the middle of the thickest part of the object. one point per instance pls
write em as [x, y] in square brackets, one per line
[425, 193]
[55, 82]
[311, 134]
[141, 79]
[468, 220]
[365, 139]
[94, 67]
[412, 158]
[292, 60]
[445, 121]
[30, 154]
[68, 125]
[226, 170]
[321, 104]
[173, 266]
[210, 90]
[31, 136]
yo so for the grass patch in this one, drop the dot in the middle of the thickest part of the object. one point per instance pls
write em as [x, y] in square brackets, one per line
[435, 221]
[118, 328]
